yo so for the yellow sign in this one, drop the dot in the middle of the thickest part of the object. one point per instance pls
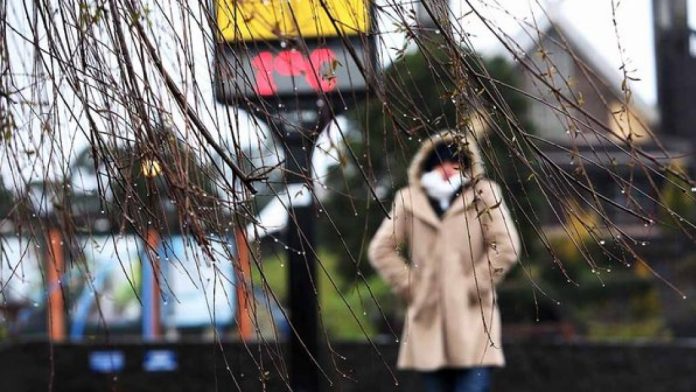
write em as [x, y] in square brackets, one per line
[261, 20]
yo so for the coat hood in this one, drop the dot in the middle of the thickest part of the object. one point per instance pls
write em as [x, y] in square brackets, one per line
[466, 143]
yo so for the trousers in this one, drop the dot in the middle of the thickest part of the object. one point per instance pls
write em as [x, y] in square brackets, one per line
[476, 379]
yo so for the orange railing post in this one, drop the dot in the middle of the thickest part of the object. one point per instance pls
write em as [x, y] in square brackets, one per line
[244, 296]
[55, 269]
[153, 320]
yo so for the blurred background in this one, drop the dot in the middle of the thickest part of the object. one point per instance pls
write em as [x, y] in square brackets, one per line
[150, 213]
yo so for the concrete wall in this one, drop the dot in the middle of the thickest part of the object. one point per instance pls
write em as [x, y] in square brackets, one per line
[203, 367]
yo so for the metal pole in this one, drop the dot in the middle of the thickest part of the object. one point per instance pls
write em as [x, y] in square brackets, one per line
[675, 62]
[299, 131]
[151, 294]
[244, 296]
[55, 270]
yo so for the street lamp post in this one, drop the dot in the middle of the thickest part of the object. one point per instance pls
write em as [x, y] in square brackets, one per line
[299, 130]
[293, 61]
[151, 266]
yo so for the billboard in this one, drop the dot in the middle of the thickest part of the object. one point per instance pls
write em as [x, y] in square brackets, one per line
[104, 280]
[292, 48]
[199, 290]
[104, 284]
[21, 276]
[266, 20]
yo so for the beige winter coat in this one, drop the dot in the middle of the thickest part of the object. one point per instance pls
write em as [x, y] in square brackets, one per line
[446, 268]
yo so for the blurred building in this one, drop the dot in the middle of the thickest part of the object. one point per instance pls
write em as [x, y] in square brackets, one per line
[615, 159]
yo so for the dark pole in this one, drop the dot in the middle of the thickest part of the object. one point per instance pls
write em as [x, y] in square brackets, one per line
[675, 62]
[299, 130]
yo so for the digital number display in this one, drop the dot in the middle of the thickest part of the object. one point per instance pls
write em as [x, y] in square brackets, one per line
[317, 69]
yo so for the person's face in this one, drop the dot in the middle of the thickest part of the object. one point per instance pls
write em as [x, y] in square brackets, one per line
[448, 169]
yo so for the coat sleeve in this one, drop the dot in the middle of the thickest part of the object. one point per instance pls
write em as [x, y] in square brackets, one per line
[501, 242]
[384, 249]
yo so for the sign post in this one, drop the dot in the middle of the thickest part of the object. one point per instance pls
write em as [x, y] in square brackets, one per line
[301, 128]
[296, 62]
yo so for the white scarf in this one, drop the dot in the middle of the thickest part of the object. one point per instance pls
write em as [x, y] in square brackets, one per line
[440, 189]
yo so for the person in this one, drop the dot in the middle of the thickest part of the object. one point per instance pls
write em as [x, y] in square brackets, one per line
[447, 242]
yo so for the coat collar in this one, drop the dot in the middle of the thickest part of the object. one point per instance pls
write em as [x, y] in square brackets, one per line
[420, 206]
[461, 203]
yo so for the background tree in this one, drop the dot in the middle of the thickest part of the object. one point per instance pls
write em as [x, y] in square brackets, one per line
[421, 100]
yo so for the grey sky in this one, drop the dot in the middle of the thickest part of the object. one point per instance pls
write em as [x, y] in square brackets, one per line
[592, 19]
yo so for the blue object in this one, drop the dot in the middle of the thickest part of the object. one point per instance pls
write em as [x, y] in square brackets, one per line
[147, 295]
[475, 379]
[106, 361]
[160, 361]
[84, 302]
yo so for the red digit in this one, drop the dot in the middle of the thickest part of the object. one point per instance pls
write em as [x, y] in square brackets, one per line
[263, 64]
[321, 67]
[290, 63]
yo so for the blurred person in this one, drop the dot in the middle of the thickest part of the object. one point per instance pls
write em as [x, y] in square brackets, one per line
[446, 244]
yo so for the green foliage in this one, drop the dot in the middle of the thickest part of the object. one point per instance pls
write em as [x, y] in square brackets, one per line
[652, 329]
[679, 202]
[603, 299]
[346, 314]
[422, 98]
[6, 201]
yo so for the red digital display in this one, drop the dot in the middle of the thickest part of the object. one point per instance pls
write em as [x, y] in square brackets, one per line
[316, 69]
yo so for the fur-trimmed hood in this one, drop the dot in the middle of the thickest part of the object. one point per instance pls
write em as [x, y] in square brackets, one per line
[463, 140]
